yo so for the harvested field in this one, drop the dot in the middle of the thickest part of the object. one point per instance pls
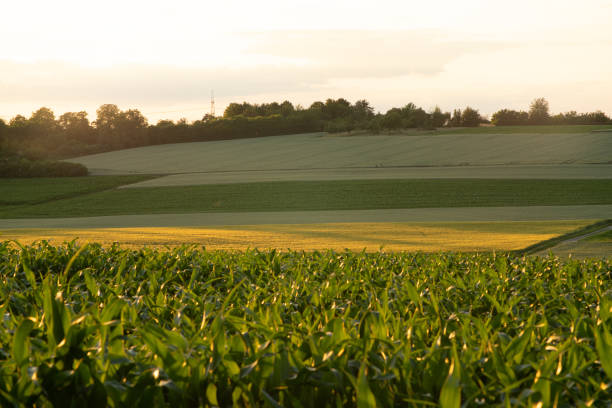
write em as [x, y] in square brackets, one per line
[429, 237]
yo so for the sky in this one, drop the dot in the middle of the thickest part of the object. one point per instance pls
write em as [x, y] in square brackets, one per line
[164, 58]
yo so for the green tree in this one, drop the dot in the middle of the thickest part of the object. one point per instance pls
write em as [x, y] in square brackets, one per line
[75, 125]
[362, 110]
[107, 117]
[43, 117]
[438, 118]
[42, 123]
[3, 134]
[286, 108]
[456, 118]
[338, 108]
[538, 111]
[131, 128]
[507, 117]
[233, 109]
[470, 117]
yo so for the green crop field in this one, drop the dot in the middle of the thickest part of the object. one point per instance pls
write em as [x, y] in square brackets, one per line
[110, 327]
[322, 151]
[533, 129]
[37, 190]
[102, 325]
[324, 195]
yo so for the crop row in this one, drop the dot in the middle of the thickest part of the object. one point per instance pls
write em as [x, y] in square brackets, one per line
[89, 326]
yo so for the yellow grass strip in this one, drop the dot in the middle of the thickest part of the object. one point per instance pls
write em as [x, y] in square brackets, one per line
[429, 237]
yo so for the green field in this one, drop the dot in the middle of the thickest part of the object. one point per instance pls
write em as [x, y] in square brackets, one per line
[555, 172]
[481, 174]
[323, 195]
[603, 237]
[323, 151]
[187, 328]
[303, 321]
[533, 129]
[37, 190]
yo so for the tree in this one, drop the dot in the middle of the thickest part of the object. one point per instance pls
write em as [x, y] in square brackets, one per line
[334, 109]
[362, 110]
[286, 108]
[3, 133]
[507, 117]
[106, 118]
[19, 121]
[437, 118]
[456, 118]
[538, 111]
[233, 109]
[470, 117]
[42, 122]
[392, 119]
[43, 117]
[75, 125]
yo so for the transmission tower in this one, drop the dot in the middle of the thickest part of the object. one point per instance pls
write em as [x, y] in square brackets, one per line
[212, 103]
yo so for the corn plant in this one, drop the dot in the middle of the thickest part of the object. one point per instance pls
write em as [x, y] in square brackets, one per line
[186, 327]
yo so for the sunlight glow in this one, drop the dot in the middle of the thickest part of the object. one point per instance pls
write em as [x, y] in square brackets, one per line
[156, 55]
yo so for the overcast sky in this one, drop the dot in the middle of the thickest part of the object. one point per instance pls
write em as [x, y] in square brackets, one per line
[164, 57]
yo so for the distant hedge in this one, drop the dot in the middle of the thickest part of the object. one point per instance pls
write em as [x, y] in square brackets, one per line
[22, 167]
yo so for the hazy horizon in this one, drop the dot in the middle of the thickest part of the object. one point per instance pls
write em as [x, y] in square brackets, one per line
[165, 59]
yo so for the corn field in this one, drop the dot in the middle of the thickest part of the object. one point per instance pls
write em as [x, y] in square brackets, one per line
[93, 326]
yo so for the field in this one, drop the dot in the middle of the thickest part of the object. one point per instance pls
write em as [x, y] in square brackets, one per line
[486, 174]
[322, 195]
[428, 237]
[320, 271]
[321, 151]
[188, 328]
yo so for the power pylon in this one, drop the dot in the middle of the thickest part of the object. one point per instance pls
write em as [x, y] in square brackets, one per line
[212, 103]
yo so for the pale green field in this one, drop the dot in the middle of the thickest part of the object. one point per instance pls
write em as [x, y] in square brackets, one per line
[574, 171]
[322, 151]
[428, 237]
[581, 249]
[402, 215]
[593, 245]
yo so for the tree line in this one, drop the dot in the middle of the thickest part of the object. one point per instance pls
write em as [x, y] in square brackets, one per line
[43, 136]
[539, 114]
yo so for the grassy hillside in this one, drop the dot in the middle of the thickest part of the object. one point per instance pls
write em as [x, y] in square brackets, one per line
[321, 151]
[37, 190]
[532, 129]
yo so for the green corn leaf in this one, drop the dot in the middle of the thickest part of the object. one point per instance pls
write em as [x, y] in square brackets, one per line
[211, 394]
[365, 397]
[603, 344]
[20, 341]
[450, 395]
[271, 400]
[91, 284]
[66, 272]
